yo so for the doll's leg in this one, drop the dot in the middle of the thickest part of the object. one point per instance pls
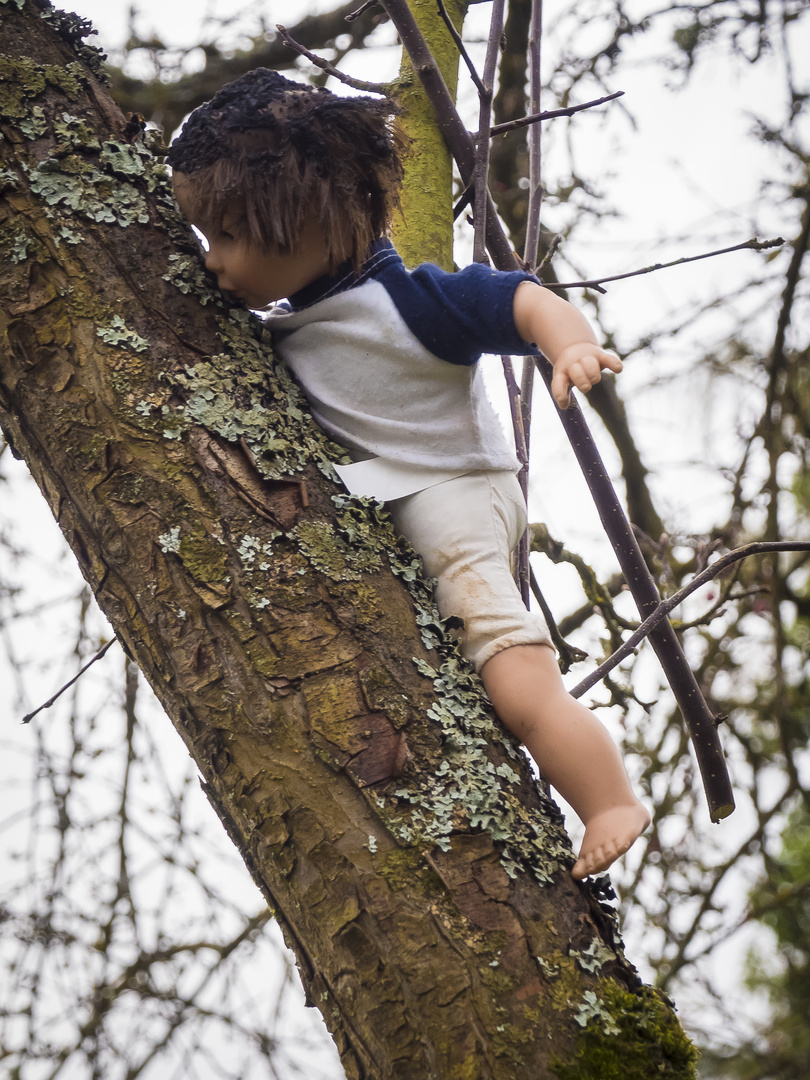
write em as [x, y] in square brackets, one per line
[572, 749]
[464, 530]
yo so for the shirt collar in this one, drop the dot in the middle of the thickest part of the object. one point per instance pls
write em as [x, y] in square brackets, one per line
[345, 277]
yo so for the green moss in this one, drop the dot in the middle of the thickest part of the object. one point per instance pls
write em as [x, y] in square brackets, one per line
[333, 554]
[425, 229]
[645, 1040]
[203, 557]
[24, 79]
[499, 984]
[507, 1041]
[403, 867]
[94, 447]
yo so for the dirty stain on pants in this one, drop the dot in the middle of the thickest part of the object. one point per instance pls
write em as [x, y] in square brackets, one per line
[466, 529]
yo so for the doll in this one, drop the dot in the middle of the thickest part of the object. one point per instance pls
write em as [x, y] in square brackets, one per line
[294, 189]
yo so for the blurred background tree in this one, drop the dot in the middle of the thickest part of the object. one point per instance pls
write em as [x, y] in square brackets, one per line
[134, 942]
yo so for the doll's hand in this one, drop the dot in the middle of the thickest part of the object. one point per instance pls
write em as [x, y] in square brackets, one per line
[580, 365]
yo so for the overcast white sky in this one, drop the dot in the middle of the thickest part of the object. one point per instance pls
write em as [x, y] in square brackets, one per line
[685, 178]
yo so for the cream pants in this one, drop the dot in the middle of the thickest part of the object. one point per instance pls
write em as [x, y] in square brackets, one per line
[466, 529]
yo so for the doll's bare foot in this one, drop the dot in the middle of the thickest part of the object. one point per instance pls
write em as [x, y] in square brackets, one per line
[607, 836]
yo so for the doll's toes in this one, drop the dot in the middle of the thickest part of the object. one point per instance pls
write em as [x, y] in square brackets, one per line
[607, 837]
[588, 863]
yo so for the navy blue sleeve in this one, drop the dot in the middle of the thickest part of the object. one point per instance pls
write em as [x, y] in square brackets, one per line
[458, 316]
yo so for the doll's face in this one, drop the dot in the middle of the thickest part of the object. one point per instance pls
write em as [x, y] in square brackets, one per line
[249, 273]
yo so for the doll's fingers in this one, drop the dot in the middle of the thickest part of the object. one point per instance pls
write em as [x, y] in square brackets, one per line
[561, 389]
[585, 373]
[611, 360]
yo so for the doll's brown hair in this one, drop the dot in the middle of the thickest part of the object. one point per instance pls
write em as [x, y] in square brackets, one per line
[283, 150]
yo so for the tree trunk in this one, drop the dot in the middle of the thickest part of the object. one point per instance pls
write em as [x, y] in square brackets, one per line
[418, 872]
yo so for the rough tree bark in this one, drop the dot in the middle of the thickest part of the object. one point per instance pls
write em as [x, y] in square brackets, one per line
[417, 871]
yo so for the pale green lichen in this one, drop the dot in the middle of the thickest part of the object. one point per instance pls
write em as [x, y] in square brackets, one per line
[174, 425]
[250, 548]
[118, 333]
[244, 393]
[72, 133]
[73, 29]
[594, 957]
[18, 244]
[90, 194]
[186, 273]
[170, 540]
[592, 1010]
[64, 232]
[34, 124]
[9, 181]
[551, 971]
[122, 159]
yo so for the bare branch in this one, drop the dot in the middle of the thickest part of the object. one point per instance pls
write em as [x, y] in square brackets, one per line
[551, 114]
[597, 283]
[529, 258]
[361, 10]
[465, 56]
[569, 654]
[677, 598]
[30, 716]
[481, 169]
[330, 69]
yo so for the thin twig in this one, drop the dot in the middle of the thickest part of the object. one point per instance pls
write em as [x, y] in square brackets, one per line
[569, 654]
[529, 256]
[481, 170]
[330, 69]
[663, 609]
[753, 244]
[465, 56]
[516, 411]
[536, 118]
[463, 200]
[30, 716]
[361, 10]
[535, 146]
[549, 255]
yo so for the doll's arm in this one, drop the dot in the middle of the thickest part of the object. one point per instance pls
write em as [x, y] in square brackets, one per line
[564, 335]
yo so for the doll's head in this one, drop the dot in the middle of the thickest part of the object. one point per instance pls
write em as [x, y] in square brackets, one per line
[283, 154]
